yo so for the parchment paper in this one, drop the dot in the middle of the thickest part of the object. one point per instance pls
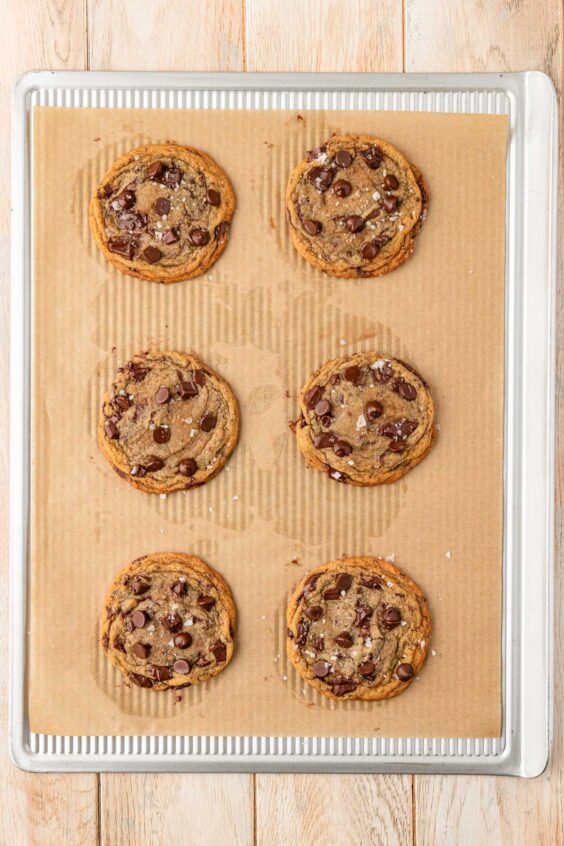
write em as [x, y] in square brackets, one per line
[265, 320]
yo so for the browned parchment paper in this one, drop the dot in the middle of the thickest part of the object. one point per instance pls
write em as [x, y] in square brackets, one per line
[265, 319]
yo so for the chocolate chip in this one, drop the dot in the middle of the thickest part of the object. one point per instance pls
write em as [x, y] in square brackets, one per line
[104, 192]
[407, 391]
[187, 467]
[344, 581]
[311, 155]
[318, 643]
[142, 650]
[139, 619]
[312, 227]
[352, 374]
[310, 584]
[172, 176]
[314, 612]
[119, 644]
[342, 448]
[161, 673]
[322, 408]
[301, 632]
[313, 396]
[140, 681]
[372, 582]
[391, 618]
[342, 188]
[390, 203]
[373, 157]
[152, 254]
[369, 251]
[138, 470]
[363, 614]
[399, 428]
[181, 667]
[172, 621]
[373, 410]
[125, 200]
[182, 640]
[155, 170]
[199, 237]
[112, 430]
[397, 446]
[200, 377]
[324, 440]
[208, 423]
[321, 669]
[405, 672]
[138, 372]
[343, 687]
[179, 588]
[221, 230]
[187, 390]
[390, 182]
[332, 593]
[382, 374]
[206, 602]
[162, 395]
[344, 639]
[162, 205]
[171, 236]
[153, 464]
[161, 435]
[139, 586]
[367, 668]
[122, 247]
[122, 402]
[132, 221]
[354, 223]
[219, 651]
[343, 158]
[321, 177]
[213, 197]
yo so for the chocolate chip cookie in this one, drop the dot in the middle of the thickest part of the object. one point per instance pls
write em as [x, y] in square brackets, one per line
[358, 628]
[168, 422]
[365, 420]
[168, 621]
[355, 206]
[163, 212]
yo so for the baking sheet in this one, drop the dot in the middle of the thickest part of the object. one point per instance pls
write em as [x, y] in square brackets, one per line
[265, 320]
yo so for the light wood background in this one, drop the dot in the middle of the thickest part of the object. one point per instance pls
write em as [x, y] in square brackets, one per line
[273, 35]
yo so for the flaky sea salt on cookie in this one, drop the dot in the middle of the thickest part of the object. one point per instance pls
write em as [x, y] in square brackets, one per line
[355, 206]
[168, 422]
[168, 621]
[366, 419]
[358, 628]
[163, 213]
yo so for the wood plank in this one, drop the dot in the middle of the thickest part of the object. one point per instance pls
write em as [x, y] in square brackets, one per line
[174, 35]
[333, 809]
[170, 808]
[35, 808]
[305, 35]
[496, 36]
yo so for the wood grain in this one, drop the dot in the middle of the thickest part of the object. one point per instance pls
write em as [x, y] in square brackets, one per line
[305, 35]
[339, 810]
[186, 35]
[499, 35]
[38, 809]
[166, 809]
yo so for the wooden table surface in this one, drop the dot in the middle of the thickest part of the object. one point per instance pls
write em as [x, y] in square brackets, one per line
[273, 35]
